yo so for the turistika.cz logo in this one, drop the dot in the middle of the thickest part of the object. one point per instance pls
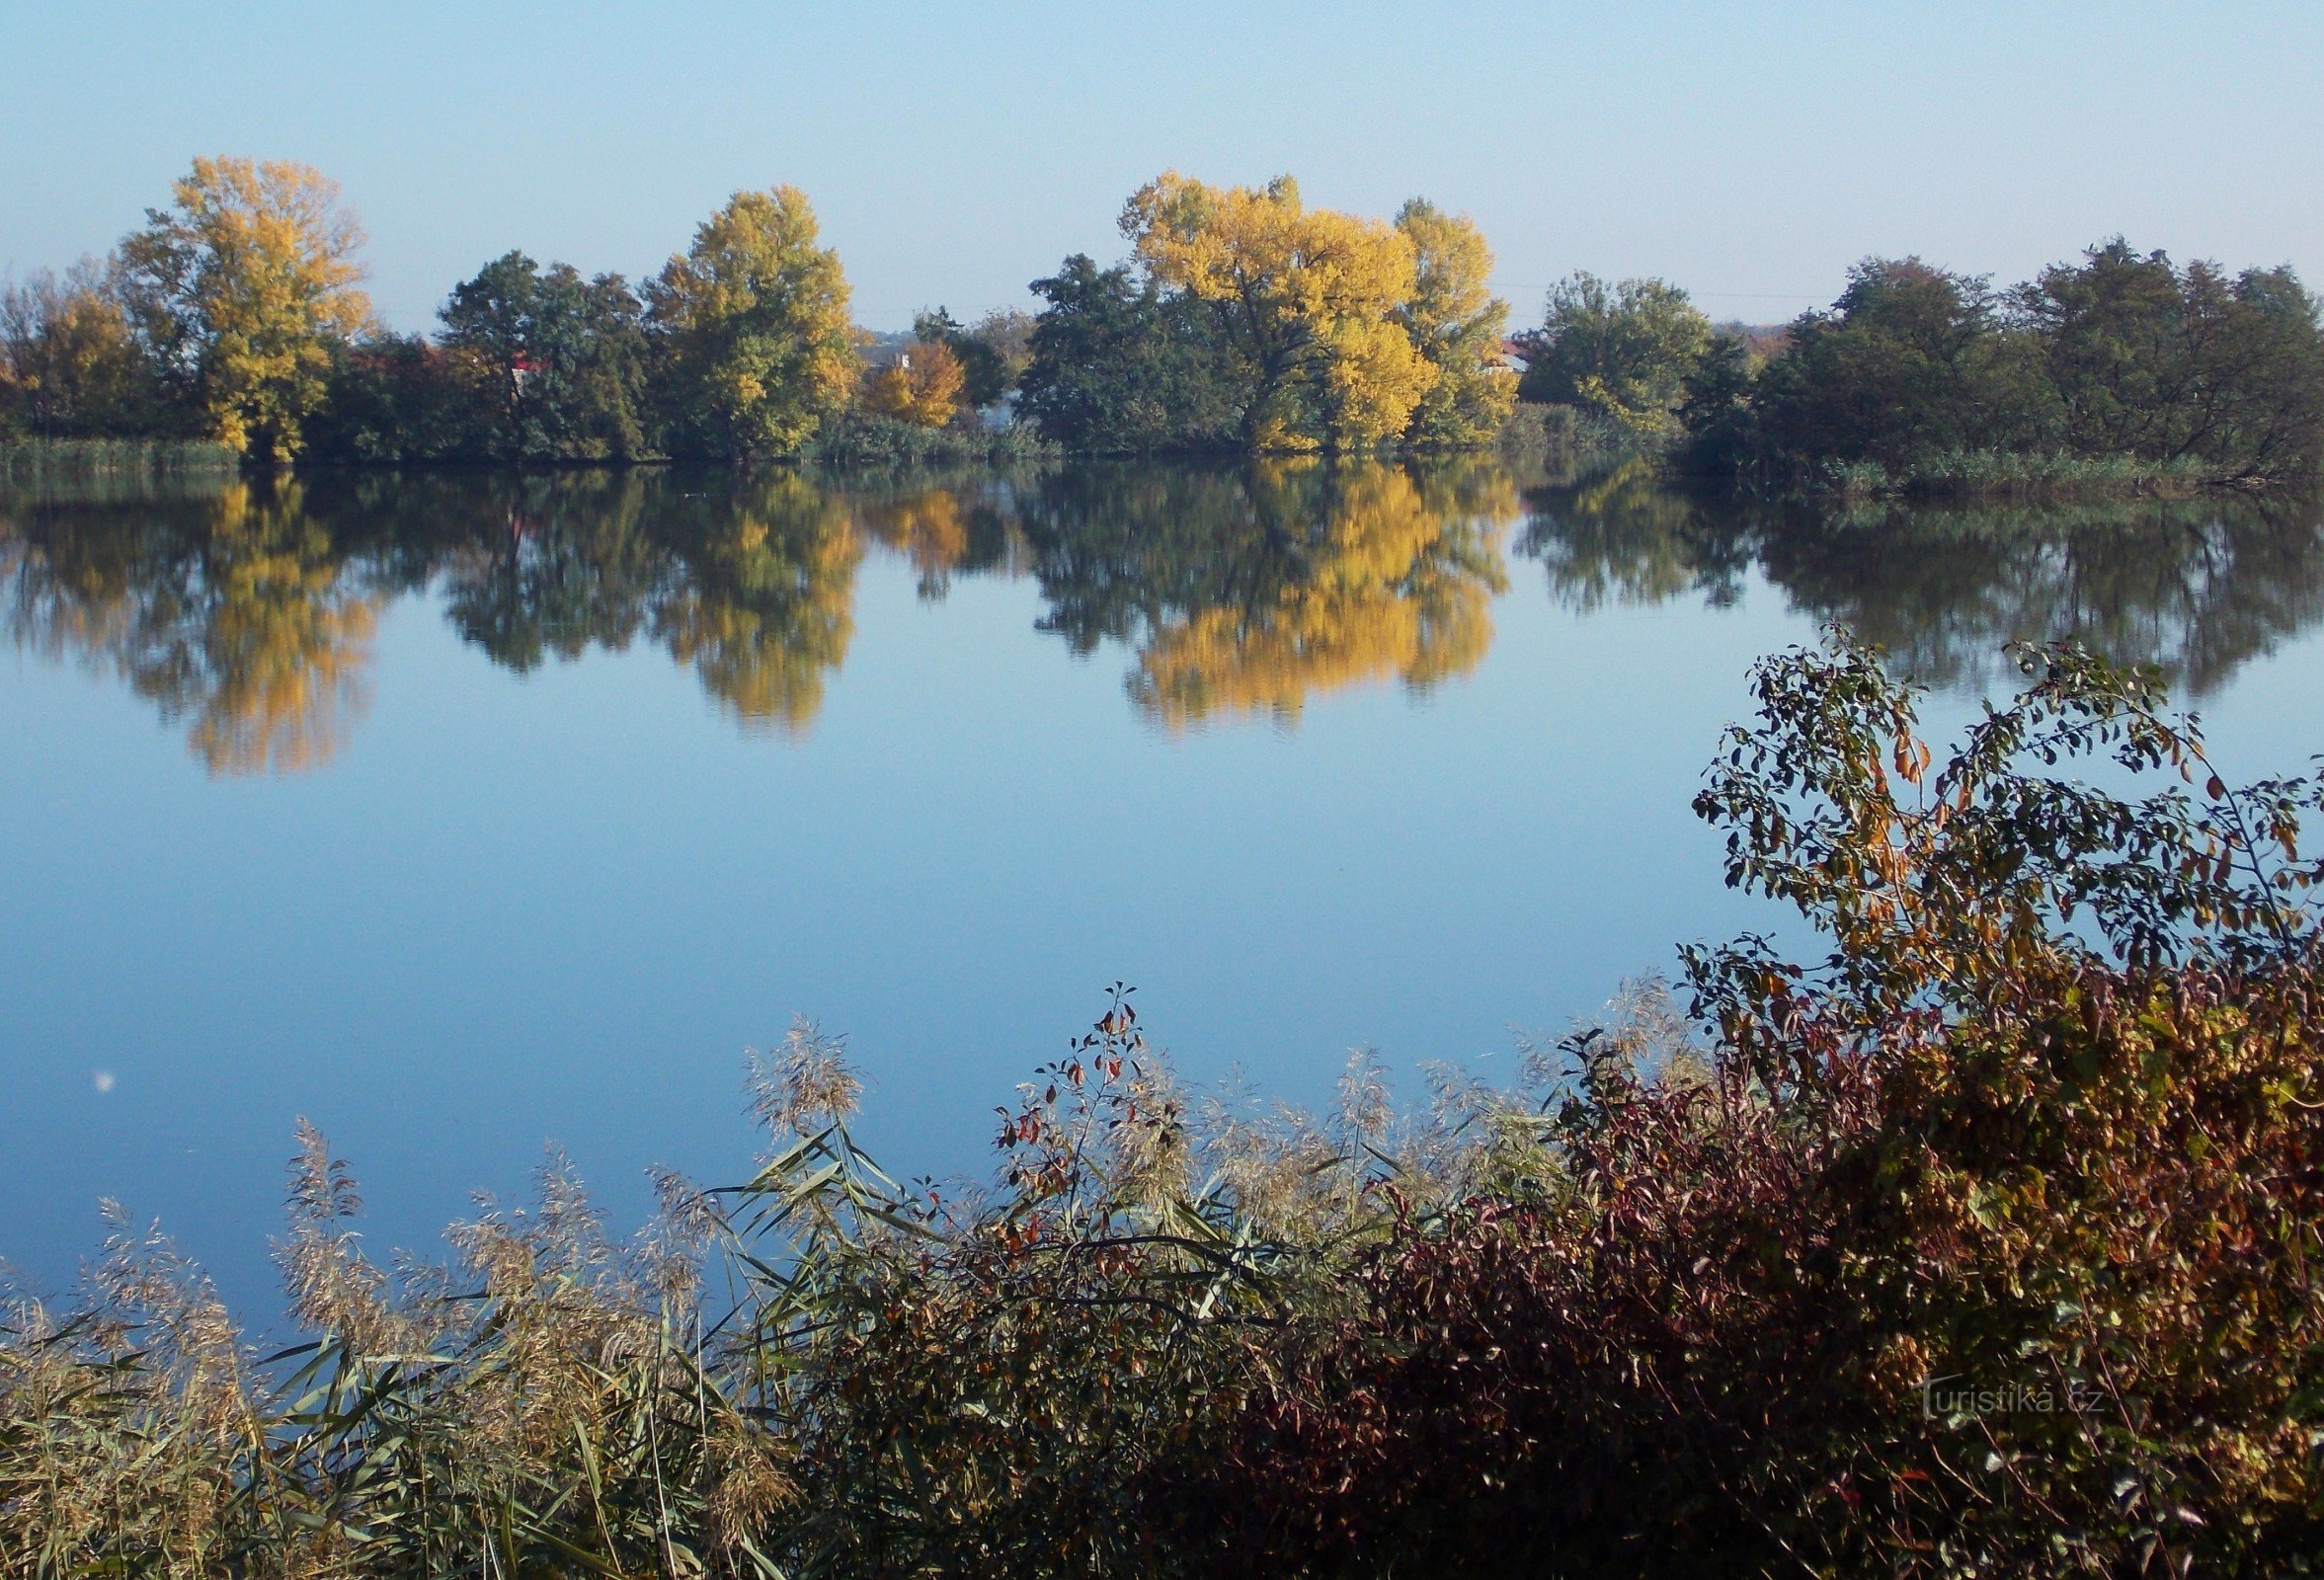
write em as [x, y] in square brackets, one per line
[1948, 1398]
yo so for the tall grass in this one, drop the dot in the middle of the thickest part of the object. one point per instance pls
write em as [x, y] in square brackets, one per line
[2013, 475]
[35, 460]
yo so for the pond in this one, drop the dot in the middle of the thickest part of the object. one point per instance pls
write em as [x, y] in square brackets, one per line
[466, 814]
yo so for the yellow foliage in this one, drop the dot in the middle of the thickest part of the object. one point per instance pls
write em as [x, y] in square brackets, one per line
[1457, 323]
[754, 315]
[921, 386]
[928, 528]
[287, 645]
[1308, 300]
[768, 609]
[1396, 588]
[252, 271]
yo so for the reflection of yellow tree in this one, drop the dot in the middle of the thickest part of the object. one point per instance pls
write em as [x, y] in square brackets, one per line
[237, 613]
[1391, 587]
[930, 529]
[767, 606]
[287, 649]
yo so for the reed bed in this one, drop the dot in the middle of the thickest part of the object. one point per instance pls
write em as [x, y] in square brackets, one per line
[39, 460]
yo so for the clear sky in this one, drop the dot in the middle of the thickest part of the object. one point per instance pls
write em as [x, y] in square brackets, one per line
[956, 152]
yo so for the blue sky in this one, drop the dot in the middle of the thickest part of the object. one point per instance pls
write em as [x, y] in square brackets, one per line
[956, 151]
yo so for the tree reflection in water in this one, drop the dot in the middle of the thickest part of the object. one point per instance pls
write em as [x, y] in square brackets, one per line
[1246, 592]
[2195, 588]
[231, 611]
[247, 612]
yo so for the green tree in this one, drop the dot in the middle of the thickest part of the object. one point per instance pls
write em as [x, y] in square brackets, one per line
[1625, 350]
[2165, 364]
[1911, 361]
[750, 328]
[564, 358]
[246, 286]
[1118, 367]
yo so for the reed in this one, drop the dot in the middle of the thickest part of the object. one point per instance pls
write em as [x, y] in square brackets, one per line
[35, 460]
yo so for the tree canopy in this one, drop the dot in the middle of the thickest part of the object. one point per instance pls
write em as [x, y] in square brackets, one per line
[752, 322]
[243, 288]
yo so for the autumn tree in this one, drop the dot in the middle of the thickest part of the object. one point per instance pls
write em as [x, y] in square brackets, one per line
[1457, 324]
[1623, 350]
[994, 353]
[922, 386]
[1305, 300]
[244, 288]
[70, 365]
[752, 327]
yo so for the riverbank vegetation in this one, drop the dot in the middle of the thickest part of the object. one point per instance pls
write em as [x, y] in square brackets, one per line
[2120, 374]
[1979, 1242]
[1243, 321]
[1246, 321]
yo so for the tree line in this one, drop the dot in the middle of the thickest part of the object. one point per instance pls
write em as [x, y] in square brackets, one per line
[1245, 320]
[2122, 371]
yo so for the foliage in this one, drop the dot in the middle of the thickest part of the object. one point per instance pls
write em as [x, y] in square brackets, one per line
[751, 330]
[1457, 323]
[1625, 350]
[922, 386]
[242, 289]
[1304, 301]
[1118, 367]
[1982, 1246]
[562, 357]
[993, 354]
[2171, 375]
[71, 366]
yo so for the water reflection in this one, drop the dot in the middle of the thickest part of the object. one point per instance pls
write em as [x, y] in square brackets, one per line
[234, 612]
[1242, 593]
[2195, 588]
[247, 612]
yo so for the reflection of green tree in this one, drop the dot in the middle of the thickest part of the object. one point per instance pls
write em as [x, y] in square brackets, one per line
[234, 612]
[750, 580]
[945, 526]
[1623, 538]
[1247, 592]
[549, 564]
[2195, 588]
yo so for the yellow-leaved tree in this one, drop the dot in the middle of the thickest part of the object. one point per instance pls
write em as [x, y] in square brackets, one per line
[1457, 323]
[243, 288]
[1305, 298]
[923, 385]
[752, 321]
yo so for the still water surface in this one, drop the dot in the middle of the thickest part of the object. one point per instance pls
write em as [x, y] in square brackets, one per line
[464, 813]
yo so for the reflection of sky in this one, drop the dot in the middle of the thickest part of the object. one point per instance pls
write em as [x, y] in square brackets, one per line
[557, 905]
